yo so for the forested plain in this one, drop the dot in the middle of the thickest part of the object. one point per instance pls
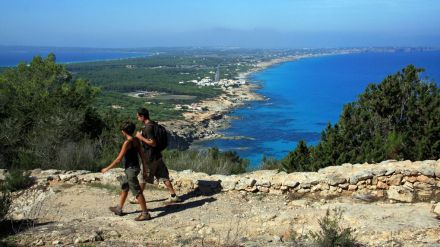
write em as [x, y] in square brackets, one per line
[64, 116]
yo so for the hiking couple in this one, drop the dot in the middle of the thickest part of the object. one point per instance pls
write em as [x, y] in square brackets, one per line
[146, 145]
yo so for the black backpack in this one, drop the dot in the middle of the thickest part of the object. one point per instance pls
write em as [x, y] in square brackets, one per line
[161, 135]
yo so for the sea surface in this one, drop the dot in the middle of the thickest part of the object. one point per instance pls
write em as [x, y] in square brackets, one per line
[11, 56]
[303, 96]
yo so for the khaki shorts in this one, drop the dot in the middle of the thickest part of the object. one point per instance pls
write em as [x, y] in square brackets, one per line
[157, 169]
[145, 179]
[130, 181]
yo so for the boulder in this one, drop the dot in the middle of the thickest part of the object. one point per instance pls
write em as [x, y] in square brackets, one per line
[426, 179]
[245, 183]
[3, 173]
[400, 193]
[396, 179]
[343, 186]
[352, 187]
[71, 174]
[360, 175]
[227, 182]
[437, 169]
[436, 209]
[334, 179]
[291, 184]
[381, 185]
[208, 186]
[428, 168]
[113, 176]
[263, 183]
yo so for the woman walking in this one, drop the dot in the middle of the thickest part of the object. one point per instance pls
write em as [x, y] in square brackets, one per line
[130, 150]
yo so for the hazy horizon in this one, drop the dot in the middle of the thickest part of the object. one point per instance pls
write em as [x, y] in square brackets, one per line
[245, 24]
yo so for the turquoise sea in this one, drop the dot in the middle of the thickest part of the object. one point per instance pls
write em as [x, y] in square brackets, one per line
[305, 95]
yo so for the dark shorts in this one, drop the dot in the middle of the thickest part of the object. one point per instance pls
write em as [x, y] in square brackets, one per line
[158, 170]
[130, 181]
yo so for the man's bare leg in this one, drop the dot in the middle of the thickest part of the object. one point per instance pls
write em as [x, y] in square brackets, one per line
[173, 197]
[142, 203]
[169, 187]
[144, 214]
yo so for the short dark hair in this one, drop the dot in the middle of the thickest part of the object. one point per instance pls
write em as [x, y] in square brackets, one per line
[144, 112]
[128, 127]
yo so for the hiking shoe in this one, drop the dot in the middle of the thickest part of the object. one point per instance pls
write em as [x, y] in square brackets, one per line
[143, 216]
[117, 210]
[173, 199]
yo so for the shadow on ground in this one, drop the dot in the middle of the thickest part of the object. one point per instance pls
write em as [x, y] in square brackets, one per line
[9, 228]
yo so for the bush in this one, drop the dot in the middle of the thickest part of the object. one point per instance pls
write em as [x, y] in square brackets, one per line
[332, 234]
[41, 109]
[298, 160]
[17, 180]
[5, 202]
[210, 161]
[270, 163]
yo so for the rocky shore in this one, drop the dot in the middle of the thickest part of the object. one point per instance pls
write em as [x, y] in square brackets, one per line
[204, 125]
[392, 203]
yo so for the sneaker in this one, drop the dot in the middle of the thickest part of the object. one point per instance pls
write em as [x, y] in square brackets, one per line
[117, 210]
[143, 216]
[173, 199]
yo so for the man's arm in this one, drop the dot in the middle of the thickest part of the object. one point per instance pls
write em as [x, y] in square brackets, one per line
[144, 160]
[149, 141]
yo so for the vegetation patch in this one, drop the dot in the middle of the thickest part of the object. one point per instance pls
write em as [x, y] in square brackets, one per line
[17, 180]
[332, 233]
[210, 161]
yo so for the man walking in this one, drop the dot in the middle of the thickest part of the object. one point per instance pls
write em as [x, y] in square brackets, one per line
[156, 165]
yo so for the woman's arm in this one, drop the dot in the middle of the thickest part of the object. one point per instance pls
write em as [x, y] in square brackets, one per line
[119, 158]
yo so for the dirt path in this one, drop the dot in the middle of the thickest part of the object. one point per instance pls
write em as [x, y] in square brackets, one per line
[78, 215]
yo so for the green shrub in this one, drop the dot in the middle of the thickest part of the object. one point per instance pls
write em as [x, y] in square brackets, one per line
[41, 109]
[297, 160]
[5, 202]
[17, 180]
[210, 161]
[270, 163]
[331, 233]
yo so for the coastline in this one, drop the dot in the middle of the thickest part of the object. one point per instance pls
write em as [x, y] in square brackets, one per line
[199, 126]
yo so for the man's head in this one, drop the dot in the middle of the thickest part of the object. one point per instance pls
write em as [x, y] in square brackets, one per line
[128, 127]
[143, 114]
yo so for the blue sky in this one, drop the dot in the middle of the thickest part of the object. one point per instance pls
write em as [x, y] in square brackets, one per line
[244, 23]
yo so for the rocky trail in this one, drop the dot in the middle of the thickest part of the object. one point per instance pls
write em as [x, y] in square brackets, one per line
[71, 209]
[72, 215]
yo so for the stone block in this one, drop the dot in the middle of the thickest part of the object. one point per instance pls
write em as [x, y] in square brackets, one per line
[359, 176]
[426, 179]
[395, 180]
[400, 193]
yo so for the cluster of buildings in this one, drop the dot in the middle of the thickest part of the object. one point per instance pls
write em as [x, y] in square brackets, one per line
[191, 107]
[223, 83]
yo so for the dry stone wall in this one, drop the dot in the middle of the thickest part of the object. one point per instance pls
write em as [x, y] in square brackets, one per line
[402, 181]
